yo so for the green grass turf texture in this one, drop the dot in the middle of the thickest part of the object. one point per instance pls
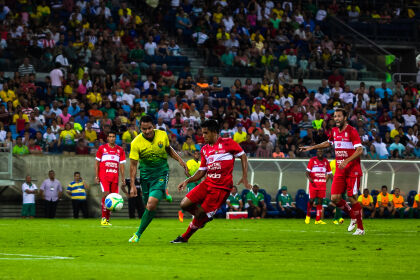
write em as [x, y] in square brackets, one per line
[224, 249]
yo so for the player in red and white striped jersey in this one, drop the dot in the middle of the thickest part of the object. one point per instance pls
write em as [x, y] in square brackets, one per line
[217, 161]
[109, 167]
[348, 149]
[318, 173]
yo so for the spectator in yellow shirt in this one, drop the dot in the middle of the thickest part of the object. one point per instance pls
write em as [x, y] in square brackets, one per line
[90, 134]
[189, 146]
[129, 135]
[367, 204]
[95, 96]
[7, 94]
[398, 203]
[384, 202]
[240, 135]
[416, 206]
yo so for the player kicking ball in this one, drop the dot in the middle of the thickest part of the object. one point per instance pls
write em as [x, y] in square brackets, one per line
[348, 149]
[318, 173]
[151, 148]
[217, 161]
[109, 167]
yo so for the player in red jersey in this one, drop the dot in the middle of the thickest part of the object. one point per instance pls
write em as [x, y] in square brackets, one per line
[217, 160]
[348, 149]
[318, 173]
[109, 167]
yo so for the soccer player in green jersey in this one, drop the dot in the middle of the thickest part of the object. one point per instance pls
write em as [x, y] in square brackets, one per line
[151, 149]
[193, 165]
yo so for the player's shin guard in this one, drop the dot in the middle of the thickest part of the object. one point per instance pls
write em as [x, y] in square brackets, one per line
[194, 226]
[308, 209]
[318, 212]
[145, 221]
[342, 204]
[357, 209]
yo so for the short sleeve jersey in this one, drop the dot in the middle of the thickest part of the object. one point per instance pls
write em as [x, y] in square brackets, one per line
[384, 199]
[218, 159]
[365, 200]
[110, 159]
[255, 198]
[345, 143]
[152, 155]
[193, 166]
[234, 199]
[318, 170]
[398, 201]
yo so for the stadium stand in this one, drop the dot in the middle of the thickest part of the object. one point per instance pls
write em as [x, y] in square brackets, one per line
[100, 65]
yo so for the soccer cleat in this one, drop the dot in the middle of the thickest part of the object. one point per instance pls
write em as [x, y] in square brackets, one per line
[168, 197]
[335, 222]
[179, 239]
[307, 219]
[104, 222]
[352, 225]
[180, 216]
[341, 220]
[320, 222]
[359, 232]
[134, 238]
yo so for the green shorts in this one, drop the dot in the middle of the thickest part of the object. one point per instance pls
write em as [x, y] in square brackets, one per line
[28, 210]
[155, 187]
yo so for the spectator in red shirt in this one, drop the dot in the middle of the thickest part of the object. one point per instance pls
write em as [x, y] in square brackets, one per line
[336, 77]
[271, 106]
[166, 74]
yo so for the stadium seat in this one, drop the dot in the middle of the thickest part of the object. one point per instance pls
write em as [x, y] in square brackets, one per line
[301, 200]
[410, 198]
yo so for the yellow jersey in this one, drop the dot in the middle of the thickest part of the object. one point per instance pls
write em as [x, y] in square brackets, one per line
[365, 201]
[239, 137]
[416, 200]
[193, 166]
[398, 201]
[384, 199]
[152, 154]
[333, 166]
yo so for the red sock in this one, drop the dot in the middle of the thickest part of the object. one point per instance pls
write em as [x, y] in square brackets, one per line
[357, 209]
[342, 204]
[195, 225]
[318, 212]
[103, 208]
[308, 209]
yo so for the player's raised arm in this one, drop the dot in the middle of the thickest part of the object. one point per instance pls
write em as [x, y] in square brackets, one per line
[244, 179]
[173, 154]
[325, 144]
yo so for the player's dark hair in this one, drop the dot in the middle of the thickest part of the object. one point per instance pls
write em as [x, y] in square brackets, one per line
[342, 110]
[211, 125]
[75, 173]
[146, 119]
[384, 187]
[112, 132]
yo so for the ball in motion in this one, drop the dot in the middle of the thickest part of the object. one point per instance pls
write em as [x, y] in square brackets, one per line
[114, 202]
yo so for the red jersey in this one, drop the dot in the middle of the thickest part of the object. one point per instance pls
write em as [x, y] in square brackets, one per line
[110, 160]
[218, 159]
[318, 170]
[345, 144]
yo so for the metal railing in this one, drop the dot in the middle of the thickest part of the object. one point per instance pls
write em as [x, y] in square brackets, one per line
[271, 174]
[399, 77]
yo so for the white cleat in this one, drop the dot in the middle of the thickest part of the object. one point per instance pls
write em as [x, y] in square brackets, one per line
[352, 225]
[359, 232]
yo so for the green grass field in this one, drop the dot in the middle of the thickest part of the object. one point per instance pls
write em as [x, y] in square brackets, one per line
[235, 249]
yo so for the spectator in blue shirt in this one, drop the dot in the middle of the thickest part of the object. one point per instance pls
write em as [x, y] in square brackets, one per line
[397, 146]
[381, 91]
[82, 119]
[74, 109]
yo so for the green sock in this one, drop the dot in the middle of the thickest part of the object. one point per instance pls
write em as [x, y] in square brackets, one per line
[338, 214]
[145, 221]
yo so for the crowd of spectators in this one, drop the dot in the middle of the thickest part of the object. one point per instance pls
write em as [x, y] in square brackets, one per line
[269, 36]
[97, 52]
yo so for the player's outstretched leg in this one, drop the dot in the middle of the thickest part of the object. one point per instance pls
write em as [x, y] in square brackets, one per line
[147, 217]
[195, 225]
[357, 209]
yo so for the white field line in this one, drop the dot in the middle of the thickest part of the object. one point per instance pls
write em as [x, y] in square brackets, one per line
[32, 257]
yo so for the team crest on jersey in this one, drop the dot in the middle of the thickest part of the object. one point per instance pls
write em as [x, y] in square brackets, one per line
[160, 180]
[220, 146]
[160, 144]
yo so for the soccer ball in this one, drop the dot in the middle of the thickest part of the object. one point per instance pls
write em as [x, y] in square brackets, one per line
[114, 202]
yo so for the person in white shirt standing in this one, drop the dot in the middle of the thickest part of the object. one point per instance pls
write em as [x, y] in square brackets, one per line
[29, 190]
[56, 76]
